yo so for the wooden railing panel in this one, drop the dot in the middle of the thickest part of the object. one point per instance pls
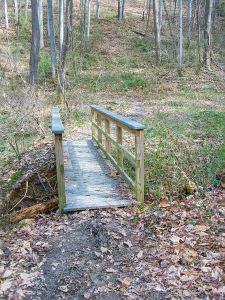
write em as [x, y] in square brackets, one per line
[127, 124]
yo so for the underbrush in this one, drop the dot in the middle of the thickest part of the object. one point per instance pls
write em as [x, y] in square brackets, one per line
[184, 152]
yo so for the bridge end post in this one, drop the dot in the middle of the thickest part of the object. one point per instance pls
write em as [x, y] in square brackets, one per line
[60, 172]
[139, 170]
[58, 130]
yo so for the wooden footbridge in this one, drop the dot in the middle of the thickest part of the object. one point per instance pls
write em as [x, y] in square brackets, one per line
[82, 177]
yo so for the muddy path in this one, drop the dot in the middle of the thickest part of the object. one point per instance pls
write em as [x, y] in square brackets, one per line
[100, 257]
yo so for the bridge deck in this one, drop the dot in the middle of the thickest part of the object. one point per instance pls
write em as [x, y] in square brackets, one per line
[87, 184]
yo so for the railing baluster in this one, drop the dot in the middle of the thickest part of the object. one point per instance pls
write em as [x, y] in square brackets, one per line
[107, 140]
[99, 122]
[119, 139]
[136, 160]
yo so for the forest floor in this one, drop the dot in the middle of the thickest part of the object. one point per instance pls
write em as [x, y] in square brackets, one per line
[174, 247]
[172, 252]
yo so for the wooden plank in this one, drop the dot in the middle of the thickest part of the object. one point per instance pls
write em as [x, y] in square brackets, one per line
[99, 122]
[126, 153]
[118, 118]
[119, 139]
[129, 181]
[107, 140]
[60, 172]
[139, 170]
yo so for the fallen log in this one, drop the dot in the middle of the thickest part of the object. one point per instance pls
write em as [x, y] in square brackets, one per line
[34, 211]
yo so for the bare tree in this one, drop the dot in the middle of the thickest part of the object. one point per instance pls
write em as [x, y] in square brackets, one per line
[180, 36]
[52, 37]
[40, 19]
[157, 31]
[189, 15]
[121, 8]
[97, 9]
[88, 21]
[16, 12]
[61, 25]
[65, 47]
[35, 46]
[6, 14]
[26, 7]
[207, 33]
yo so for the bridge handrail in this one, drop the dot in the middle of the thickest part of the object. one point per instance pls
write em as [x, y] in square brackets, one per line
[99, 114]
[58, 130]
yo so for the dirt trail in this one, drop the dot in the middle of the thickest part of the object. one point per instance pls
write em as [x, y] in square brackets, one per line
[100, 257]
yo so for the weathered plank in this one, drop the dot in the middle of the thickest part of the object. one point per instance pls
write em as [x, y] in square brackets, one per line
[86, 181]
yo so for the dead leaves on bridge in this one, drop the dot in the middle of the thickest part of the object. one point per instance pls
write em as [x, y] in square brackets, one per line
[175, 251]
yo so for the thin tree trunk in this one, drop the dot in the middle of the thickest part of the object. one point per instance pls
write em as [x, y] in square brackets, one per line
[35, 46]
[123, 9]
[67, 31]
[189, 15]
[52, 37]
[148, 16]
[170, 28]
[157, 30]
[40, 19]
[16, 12]
[89, 20]
[97, 9]
[120, 8]
[180, 37]
[6, 14]
[198, 30]
[26, 7]
[85, 22]
[61, 26]
[207, 33]
[160, 13]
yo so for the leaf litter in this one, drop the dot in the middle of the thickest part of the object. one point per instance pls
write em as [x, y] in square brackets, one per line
[172, 252]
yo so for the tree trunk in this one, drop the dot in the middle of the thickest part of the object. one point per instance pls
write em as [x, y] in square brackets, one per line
[97, 9]
[6, 14]
[16, 12]
[40, 19]
[88, 21]
[35, 46]
[34, 211]
[189, 15]
[26, 7]
[52, 37]
[61, 26]
[148, 16]
[180, 37]
[67, 32]
[198, 30]
[207, 33]
[123, 9]
[120, 9]
[157, 30]
[160, 13]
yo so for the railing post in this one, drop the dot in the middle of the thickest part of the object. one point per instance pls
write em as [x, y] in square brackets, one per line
[139, 170]
[107, 141]
[93, 120]
[119, 139]
[60, 172]
[99, 122]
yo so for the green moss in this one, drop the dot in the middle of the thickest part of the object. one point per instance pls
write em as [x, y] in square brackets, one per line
[13, 178]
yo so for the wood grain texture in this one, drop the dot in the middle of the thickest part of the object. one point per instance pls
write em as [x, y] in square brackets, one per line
[87, 184]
